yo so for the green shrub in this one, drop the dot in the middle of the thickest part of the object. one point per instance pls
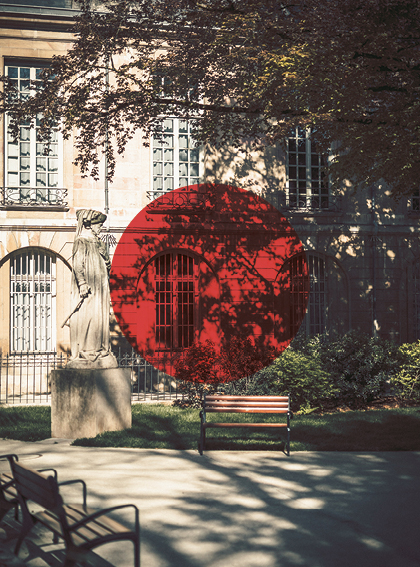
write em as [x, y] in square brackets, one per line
[360, 366]
[192, 393]
[292, 373]
[406, 382]
[202, 369]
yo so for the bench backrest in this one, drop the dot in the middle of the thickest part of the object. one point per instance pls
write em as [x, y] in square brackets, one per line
[246, 404]
[32, 485]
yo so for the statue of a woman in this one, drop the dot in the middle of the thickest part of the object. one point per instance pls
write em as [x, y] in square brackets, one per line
[89, 323]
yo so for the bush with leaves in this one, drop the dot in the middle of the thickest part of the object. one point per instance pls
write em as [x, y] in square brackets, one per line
[196, 373]
[292, 373]
[192, 393]
[360, 366]
[201, 368]
[406, 382]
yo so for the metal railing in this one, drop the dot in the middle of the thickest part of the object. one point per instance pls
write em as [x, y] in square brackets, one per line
[44, 197]
[25, 378]
[304, 203]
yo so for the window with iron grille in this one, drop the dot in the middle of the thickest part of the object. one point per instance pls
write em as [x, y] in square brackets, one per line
[33, 293]
[31, 176]
[416, 300]
[314, 322]
[176, 158]
[415, 201]
[176, 291]
[307, 181]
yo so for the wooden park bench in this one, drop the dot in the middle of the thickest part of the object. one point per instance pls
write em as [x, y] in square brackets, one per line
[8, 493]
[81, 528]
[279, 405]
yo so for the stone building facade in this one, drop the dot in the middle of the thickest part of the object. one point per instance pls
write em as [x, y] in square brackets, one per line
[362, 248]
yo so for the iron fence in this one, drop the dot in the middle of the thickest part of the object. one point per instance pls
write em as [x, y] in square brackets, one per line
[25, 378]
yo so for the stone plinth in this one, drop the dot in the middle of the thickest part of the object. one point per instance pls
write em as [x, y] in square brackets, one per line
[85, 403]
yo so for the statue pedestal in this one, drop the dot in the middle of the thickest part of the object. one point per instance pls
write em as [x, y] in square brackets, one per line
[85, 403]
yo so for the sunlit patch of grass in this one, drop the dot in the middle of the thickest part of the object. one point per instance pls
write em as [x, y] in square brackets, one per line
[163, 427]
[157, 426]
[25, 423]
[371, 430]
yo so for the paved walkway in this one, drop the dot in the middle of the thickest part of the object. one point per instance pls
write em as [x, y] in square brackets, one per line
[239, 509]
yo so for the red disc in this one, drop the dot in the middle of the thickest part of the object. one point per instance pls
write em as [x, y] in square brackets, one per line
[210, 269]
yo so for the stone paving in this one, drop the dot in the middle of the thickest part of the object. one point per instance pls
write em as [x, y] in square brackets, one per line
[237, 509]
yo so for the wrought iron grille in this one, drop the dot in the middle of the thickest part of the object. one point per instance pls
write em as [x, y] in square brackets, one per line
[25, 377]
[34, 197]
[177, 201]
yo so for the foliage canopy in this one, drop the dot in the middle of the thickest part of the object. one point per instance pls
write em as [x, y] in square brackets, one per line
[243, 69]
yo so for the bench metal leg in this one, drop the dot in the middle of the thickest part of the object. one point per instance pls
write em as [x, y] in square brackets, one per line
[137, 552]
[27, 525]
[202, 440]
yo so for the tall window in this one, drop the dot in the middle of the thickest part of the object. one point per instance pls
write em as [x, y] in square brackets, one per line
[416, 300]
[32, 284]
[314, 322]
[176, 292]
[415, 201]
[31, 176]
[307, 182]
[176, 158]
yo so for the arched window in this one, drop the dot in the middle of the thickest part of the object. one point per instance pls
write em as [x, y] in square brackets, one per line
[317, 314]
[416, 300]
[175, 276]
[32, 290]
[315, 321]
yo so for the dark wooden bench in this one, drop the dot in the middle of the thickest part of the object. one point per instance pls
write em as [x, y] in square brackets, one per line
[279, 405]
[81, 528]
[8, 493]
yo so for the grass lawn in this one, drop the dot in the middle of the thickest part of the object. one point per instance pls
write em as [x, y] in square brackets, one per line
[157, 426]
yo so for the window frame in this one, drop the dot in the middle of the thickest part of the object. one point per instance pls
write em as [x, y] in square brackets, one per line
[173, 307]
[303, 197]
[178, 180]
[414, 202]
[315, 320]
[35, 301]
[32, 193]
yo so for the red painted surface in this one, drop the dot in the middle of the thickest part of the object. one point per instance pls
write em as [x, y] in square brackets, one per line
[240, 247]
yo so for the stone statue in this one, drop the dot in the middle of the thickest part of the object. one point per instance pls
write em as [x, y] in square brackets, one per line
[89, 321]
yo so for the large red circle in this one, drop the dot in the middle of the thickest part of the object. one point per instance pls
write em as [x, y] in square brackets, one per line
[232, 255]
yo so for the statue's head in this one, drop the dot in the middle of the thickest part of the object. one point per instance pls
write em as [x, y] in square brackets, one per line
[90, 219]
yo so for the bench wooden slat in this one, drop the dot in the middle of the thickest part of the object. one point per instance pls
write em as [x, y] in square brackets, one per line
[238, 424]
[91, 530]
[34, 486]
[228, 409]
[213, 397]
[274, 405]
[226, 403]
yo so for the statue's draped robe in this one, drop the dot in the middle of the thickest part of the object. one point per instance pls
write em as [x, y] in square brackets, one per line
[89, 326]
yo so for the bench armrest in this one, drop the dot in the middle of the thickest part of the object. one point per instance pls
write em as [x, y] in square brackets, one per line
[49, 470]
[82, 482]
[106, 511]
[9, 457]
